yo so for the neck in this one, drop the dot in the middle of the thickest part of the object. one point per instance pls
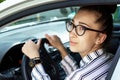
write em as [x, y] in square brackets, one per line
[83, 54]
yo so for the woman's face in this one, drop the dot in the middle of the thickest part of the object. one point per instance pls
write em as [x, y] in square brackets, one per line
[89, 41]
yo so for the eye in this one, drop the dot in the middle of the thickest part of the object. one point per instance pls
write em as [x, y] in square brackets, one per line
[81, 27]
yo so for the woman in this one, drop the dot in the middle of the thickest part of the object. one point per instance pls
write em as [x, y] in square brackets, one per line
[89, 32]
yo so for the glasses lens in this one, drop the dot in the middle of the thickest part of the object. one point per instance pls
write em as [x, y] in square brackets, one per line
[69, 26]
[80, 30]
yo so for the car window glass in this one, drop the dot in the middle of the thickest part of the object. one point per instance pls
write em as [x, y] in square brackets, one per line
[37, 25]
[116, 15]
[46, 22]
[50, 15]
[57, 14]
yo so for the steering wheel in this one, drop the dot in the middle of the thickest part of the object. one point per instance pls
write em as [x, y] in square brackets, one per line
[47, 62]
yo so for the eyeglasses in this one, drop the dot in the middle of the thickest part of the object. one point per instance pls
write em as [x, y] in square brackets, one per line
[79, 29]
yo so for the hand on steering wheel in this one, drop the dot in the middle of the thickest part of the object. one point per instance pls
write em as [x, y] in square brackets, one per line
[47, 62]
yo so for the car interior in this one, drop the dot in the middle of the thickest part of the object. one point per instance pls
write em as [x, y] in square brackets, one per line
[12, 63]
[15, 66]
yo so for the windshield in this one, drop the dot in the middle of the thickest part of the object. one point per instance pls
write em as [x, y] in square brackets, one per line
[51, 15]
[48, 16]
[51, 22]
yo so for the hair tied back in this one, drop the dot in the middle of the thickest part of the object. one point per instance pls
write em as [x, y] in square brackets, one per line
[111, 8]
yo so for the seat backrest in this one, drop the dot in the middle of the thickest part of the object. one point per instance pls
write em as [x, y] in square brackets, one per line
[113, 45]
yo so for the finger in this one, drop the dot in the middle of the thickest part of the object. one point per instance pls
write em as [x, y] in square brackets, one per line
[47, 36]
[39, 42]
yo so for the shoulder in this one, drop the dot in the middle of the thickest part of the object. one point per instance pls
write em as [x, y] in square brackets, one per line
[98, 68]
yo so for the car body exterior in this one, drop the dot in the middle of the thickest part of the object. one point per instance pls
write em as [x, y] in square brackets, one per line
[32, 19]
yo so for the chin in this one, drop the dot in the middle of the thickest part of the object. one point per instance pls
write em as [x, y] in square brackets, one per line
[73, 49]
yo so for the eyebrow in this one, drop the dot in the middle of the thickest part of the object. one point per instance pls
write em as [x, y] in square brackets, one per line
[81, 23]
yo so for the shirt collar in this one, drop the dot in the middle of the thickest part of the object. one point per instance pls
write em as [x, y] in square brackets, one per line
[90, 57]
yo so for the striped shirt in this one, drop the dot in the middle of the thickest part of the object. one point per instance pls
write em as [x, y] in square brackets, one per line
[93, 66]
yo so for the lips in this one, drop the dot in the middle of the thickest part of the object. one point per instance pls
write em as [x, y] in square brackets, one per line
[72, 43]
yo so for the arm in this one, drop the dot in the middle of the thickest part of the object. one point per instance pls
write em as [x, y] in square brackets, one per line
[56, 42]
[31, 50]
[38, 73]
[67, 63]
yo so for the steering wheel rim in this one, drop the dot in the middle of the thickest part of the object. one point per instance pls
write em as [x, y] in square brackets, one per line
[26, 69]
[47, 62]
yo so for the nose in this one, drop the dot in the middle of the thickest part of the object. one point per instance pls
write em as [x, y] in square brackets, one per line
[73, 33]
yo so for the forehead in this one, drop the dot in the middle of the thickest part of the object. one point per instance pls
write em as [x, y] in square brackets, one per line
[87, 17]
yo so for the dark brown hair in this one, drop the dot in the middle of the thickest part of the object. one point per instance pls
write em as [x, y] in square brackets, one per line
[105, 19]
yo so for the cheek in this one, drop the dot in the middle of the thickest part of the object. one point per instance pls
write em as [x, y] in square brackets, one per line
[79, 46]
[84, 43]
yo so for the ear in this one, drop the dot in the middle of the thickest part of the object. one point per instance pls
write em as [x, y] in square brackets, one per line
[101, 38]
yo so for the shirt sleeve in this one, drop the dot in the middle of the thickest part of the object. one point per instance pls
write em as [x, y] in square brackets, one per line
[69, 64]
[38, 73]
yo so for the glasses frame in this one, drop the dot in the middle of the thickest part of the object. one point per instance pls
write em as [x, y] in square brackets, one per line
[83, 27]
